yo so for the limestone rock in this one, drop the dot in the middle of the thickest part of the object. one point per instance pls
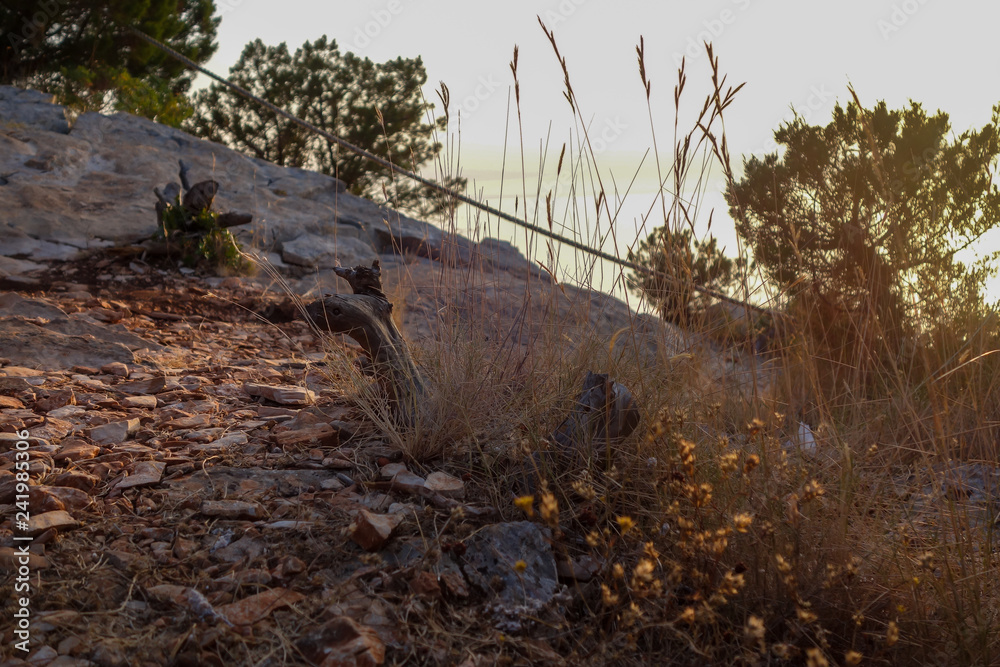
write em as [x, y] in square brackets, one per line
[29, 344]
[324, 252]
[19, 107]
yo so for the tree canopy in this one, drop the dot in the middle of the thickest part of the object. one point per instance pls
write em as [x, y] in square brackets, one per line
[376, 106]
[678, 262]
[82, 52]
[868, 212]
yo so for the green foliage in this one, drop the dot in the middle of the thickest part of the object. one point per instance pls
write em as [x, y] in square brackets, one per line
[678, 262]
[200, 240]
[861, 218]
[376, 106]
[150, 98]
[81, 52]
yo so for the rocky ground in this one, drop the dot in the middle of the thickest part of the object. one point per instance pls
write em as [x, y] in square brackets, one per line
[205, 488]
[202, 491]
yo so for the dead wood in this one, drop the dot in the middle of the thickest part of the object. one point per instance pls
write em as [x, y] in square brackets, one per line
[366, 316]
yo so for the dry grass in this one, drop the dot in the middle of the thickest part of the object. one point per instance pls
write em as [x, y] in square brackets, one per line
[719, 540]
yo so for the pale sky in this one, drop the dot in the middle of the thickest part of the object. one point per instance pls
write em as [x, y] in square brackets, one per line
[800, 54]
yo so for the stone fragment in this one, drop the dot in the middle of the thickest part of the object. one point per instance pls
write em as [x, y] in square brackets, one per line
[76, 479]
[407, 482]
[11, 560]
[371, 531]
[143, 473]
[115, 368]
[425, 583]
[55, 400]
[193, 421]
[285, 395]
[72, 499]
[75, 449]
[8, 486]
[343, 641]
[389, 470]
[245, 549]
[232, 509]
[258, 607]
[8, 441]
[140, 402]
[59, 520]
[40, 500]
[9, 402]
[321, 434]
[445, 484]
[142, 387]
[113, 433]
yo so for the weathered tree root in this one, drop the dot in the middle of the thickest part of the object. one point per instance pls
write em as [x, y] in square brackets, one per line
[366, 316]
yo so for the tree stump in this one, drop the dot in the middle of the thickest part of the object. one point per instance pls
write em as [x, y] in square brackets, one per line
[366, 316]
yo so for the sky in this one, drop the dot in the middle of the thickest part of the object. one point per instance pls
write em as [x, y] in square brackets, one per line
[799, 55]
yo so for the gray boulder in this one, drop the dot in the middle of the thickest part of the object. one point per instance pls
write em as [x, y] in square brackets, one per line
[31, 107]
[326, 252]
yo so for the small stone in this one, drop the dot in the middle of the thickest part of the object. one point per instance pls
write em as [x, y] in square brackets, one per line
[10, 559]
[76, 479]
[285, 395]
[113, 433]
[371, 531]
[75, 449]
[245, 549]
[55, 400]
[66, 411]
[331, 484]
[426, 584]
[72, 499]
[343, 641]
[289, 566]
[445, 484]
[143, 387]
[232, 509]
[143, 473]
[43, 655]
[194, 421]
[12, 403]
[8, 441]
[58, 520]
[141, 402]
[115, 368]
[258, 607]
[389, 470]
[408, 482]
[42, 501]
[321, 434]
